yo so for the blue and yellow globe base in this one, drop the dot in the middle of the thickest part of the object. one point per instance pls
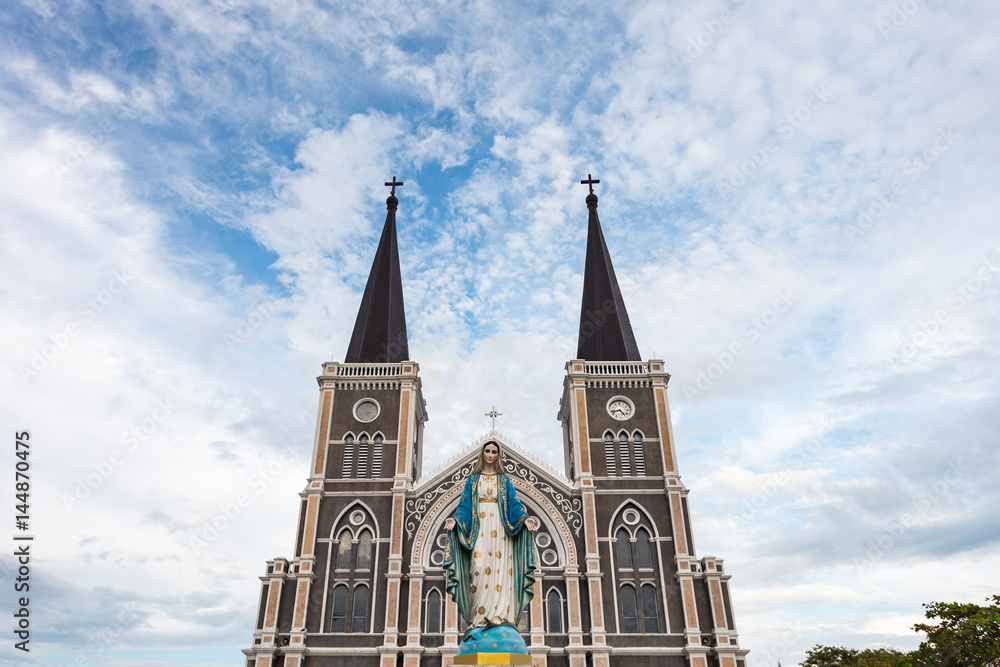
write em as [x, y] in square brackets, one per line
[498, 645]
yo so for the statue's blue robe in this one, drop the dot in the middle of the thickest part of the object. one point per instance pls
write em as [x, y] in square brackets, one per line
[462, 541]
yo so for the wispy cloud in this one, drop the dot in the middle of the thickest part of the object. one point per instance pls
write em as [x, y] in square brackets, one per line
[193, 196]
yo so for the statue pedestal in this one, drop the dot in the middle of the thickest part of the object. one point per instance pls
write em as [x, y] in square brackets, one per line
[492, 659]
[498, 645]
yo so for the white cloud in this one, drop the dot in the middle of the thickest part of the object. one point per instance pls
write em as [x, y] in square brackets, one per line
[743, 197]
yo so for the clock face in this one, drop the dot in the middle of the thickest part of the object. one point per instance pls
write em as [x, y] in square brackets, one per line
[620, 409]
[366, 410]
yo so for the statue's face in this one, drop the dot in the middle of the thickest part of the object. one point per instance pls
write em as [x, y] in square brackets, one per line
[490, 453]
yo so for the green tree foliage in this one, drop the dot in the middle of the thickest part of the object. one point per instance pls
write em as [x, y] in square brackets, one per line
[838, 656]
[966, 636]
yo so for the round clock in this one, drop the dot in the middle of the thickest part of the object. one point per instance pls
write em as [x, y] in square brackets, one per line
[366, 410]
[620, 408]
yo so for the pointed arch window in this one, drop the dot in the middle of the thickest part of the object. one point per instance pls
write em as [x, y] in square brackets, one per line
[630, 615]
[432, 613]
[643, 551]
[609, 454]
[338, 613]
[364, 561]
[362, 456]
[344, 550]
[348, 466]
[352, 571]
[377, 456]
[637, 573]
[554, 612]
[650, 609]
[624, 458]
[623, 549]
[359, 615]
[640, 454]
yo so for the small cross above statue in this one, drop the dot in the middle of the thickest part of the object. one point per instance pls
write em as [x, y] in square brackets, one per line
[394, 183]
[493, 414]
[589, 181]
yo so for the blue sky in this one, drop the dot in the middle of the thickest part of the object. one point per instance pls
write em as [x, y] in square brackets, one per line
[191, 198]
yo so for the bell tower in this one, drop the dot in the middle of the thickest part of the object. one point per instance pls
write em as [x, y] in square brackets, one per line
[647, 591]
[343, 586]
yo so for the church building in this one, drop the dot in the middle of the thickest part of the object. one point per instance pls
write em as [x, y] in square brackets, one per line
[619, 582]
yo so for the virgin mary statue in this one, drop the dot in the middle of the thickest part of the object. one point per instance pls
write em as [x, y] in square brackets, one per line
[490, 560]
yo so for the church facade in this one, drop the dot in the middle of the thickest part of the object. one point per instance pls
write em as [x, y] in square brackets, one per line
[619, 581]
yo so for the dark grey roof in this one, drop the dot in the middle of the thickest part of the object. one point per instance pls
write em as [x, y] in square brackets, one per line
[605, 331]
[380, 330]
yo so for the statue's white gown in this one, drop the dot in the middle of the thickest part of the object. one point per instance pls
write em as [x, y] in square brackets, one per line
[492, 561]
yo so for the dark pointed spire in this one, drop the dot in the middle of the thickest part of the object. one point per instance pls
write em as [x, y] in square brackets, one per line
[380, 330]
[605, 332]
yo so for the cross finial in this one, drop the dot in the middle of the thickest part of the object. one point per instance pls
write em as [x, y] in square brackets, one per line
[589, 181]
[493, 414]
[394, 183]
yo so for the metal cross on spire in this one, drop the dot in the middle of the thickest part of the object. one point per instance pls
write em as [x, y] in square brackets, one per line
[589, 181]
[394, 183]
[493, 414]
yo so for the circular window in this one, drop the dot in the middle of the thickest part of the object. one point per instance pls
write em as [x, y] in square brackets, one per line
[357, 517]
[549, 557]
[442, 540]
[543, 539]
[437, 558]
[366, 410]
[631, 517]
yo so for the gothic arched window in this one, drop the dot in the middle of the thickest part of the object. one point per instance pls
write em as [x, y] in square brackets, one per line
[364, 561]
[377, 456]
[554, 612]
[362, 456]
[338, 613]
[609, 454]
[348, 466]
[344, 550]
[637, 573]
[640, 454]
[359, 616]
[630, 615]
[352, 569]
[623, 454]
[432, 613]
[643, 550]
[623, 549]
[650, 609]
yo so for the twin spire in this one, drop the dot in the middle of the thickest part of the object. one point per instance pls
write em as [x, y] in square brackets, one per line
[380, 330]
